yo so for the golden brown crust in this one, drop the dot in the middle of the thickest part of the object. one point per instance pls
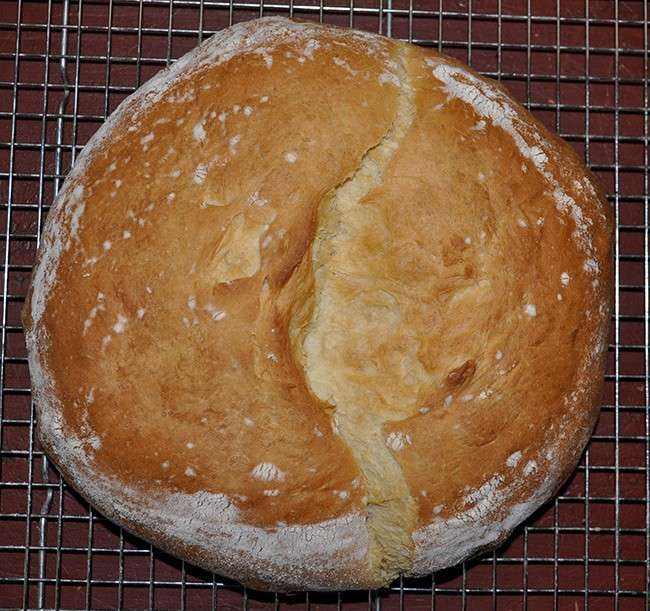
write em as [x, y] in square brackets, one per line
[308, 274]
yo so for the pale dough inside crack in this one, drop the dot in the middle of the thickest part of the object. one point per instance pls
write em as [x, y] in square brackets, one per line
[345, 338]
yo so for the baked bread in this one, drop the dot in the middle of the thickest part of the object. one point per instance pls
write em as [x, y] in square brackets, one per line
[316, 308]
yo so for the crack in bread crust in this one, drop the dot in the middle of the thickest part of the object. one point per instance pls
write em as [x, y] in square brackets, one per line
[345, 308]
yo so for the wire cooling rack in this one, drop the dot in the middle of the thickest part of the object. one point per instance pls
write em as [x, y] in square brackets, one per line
[580, 66]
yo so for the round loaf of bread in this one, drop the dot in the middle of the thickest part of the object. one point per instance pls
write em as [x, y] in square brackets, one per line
[316, 308]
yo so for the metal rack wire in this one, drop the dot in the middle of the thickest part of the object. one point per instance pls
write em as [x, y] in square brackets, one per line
[581, 66]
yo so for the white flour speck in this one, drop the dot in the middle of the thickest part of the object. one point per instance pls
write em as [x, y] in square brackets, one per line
[389, 77]
[531, 467]
[266, 56]
[126, 234]
[513, 459]
[565, 278]
[309, 49]
[341, 63]
[498, 355]
[120, 325]
[335, 425]
[190, 472]
[274, 492]
[200, 173]
[291, 157]
[107, 245]
[397, 440]
[98, 307]
[530, 310]
[214, 312]
[267, 472]
[140, 313]
[254, 199]
[198, 131]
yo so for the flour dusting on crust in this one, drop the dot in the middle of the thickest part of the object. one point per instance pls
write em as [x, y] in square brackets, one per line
[291, 556]
[448, 541]
[494, 105]
[483, 523]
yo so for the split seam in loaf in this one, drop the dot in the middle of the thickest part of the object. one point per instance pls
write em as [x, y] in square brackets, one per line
[391, 509]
